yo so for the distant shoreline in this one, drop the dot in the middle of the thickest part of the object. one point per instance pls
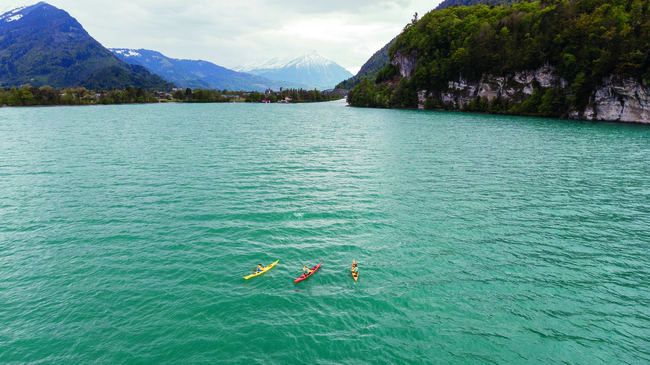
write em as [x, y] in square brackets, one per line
[160, 103]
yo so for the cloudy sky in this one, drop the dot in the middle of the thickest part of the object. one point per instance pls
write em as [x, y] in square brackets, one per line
[234, 32]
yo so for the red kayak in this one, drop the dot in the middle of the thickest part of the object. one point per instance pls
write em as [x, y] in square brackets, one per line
[313, 270]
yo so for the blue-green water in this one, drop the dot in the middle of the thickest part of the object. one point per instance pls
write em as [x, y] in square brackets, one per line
[125, 232]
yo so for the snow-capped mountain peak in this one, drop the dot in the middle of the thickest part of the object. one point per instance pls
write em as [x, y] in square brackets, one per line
[310, 59]
[311, 69]
[271, 64]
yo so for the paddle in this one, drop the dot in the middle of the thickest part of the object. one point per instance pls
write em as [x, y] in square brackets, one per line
[350, 273]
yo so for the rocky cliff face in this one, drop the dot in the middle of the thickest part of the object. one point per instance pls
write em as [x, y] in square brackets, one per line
[624, 100]
[619, 99]
[406, 64]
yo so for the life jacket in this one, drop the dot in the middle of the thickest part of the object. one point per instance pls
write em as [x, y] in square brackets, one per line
[306, 270]
[259, 269]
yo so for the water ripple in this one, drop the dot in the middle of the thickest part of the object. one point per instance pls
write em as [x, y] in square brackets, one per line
[126, 230]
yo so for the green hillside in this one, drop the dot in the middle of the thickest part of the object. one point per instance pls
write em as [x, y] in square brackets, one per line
[380, 59]
[585, 40]
[119, 78]
[43, 45]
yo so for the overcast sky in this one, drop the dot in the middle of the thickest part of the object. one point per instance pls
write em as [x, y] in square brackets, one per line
[234, 32]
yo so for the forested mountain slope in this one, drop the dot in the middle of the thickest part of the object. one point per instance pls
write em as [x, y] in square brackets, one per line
[380, 59]
[43, 45]
[553, 58]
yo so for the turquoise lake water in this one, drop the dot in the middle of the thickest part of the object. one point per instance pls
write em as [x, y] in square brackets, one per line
[125, 233]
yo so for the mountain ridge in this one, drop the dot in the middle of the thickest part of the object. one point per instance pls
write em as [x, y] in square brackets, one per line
[199, 73]
[44, 45]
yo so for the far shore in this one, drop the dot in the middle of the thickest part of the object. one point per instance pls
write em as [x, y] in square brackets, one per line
[169, 102]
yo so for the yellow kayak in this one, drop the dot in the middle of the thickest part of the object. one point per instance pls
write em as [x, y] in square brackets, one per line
[263, 271]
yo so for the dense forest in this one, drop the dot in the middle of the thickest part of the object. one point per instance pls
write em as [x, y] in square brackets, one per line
[46, 46]
[585, 40]
[380, 59]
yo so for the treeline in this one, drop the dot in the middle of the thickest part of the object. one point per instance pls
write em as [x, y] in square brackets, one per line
[46, 95]
[224, 96]
[450, 3]
[585, 40]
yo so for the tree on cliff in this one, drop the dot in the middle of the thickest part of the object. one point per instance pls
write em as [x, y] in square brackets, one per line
[584, 40]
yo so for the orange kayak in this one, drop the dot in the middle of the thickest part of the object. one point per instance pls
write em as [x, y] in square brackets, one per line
[355, 275]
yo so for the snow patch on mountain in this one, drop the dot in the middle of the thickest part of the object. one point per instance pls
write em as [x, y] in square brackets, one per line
[311, 59]
[125, 52]
[18, 13]
[15, 17]
[271, 64]
[12, 15]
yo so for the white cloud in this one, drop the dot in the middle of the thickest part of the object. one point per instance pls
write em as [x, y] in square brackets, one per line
[230, 33]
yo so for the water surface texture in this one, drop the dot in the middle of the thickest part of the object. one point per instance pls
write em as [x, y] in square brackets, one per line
[125, 233]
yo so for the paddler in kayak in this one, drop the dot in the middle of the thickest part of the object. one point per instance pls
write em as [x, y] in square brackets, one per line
[355, 269]
[259, 268]
[306, 270]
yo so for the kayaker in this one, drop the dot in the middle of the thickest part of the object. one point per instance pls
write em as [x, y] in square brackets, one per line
[306, 270]
[355, 268]
[260, 268]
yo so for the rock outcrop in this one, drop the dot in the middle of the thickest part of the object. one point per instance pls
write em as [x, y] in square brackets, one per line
[517, 87]
[617, 99]
[405, 64]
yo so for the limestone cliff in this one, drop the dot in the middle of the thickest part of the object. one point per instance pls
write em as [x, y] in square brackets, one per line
[617, 99]
[405, 64]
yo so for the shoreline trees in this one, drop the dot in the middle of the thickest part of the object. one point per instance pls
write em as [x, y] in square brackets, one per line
[48, 96]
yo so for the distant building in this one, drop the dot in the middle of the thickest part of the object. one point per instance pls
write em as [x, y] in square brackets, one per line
[177, 89]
